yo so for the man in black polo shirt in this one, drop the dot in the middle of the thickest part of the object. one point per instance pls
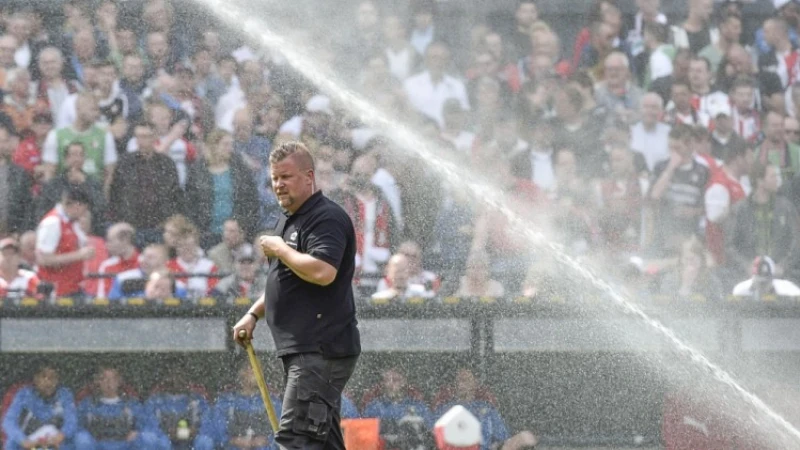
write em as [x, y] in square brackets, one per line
[308, 303]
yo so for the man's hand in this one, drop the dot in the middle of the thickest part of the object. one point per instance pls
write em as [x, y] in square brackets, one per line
[56, 440]
[675, 161]
[259, 441]
[87, 253]
[525, 439]
[271, 245]
[246, 323]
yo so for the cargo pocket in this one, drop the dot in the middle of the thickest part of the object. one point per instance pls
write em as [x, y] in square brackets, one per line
[313, 417]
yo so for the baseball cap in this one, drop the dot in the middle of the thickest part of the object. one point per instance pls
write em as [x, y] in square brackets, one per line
[319, 103]
[458, 429]
[9, 242]
[763, 267]
[719, 107]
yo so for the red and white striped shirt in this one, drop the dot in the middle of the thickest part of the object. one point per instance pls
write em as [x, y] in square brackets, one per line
[199, 285]
[747, 124]
[114, 266]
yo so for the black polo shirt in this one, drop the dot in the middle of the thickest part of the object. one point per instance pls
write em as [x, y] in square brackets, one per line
[305, 317]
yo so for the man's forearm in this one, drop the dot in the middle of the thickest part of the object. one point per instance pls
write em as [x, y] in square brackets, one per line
[259, 308]
[661, 184]
[307, 267]
[53, 259]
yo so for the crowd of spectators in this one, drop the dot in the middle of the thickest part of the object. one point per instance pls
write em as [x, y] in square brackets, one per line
[134, 156]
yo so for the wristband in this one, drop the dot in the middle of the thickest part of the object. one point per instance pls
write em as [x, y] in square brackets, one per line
[253, 314]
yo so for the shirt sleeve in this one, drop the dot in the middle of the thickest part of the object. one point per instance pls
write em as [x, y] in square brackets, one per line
[48, 235]
[327, 238]
[11, 427]
[50, 148]
[717, 200]
[70, 414]
[110, 153]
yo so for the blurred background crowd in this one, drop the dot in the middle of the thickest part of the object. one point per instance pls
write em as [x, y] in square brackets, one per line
[134, 145]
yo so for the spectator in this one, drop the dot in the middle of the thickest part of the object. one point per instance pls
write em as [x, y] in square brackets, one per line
[98, 143]
[132, 283]
[315, 122]
[571, 128]
[8, 45]
[647, 12]
[746, 118]
[252, 148]
[179, 407]
[680, 71]
[396, 400]
[681, 110]
[650, 137]
[703, 93]
[724, 137]
[764, 284]
[112, 103]
[61, 244]
[82, 54]
[763, 224]
[221, 187]
[662, 53]
[110, 418]
[28, 154]
[15, 189]
[452, 234]
[208, 85]
[53, 88]
[123, 256]
[502, 67]
[161, 287]
[41, 415]
[505, 142]
[199, 111]
[693, 279]
[191, 267]
[397, 285]
[251, 79]
[19, 102]
[91, 266]
[538, 164]
[72, 174]
[363, 40]
[782, 59]
[776, 150]
[170, 139]
[696, 33]
[601, 44]
[159, 16]
[402, 57]
[493, 427]
[455, 126]
[477, 281]
[677, 190]
[176, 226]
[132, 84]
[234, 243]
[525, 16]
[19, 26]
[237, 420]
[619, 201]
[27, 250]
[616, 92]
[417, 272]
[730, 33]
[15, 282]
[723, 192]
[137, 172]
[244, 282]
[428, 90]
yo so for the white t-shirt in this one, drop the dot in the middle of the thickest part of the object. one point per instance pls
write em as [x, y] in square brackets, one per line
[48, 233]
[652, 144]
[429, 99]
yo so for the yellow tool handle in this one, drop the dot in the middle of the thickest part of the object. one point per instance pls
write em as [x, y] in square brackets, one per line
[262, 385]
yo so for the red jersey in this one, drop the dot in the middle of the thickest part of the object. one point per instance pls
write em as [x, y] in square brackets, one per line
[60, 235]
[113, 266]
[715, 238]
[28, 155]
[89, 285]
[25, 284]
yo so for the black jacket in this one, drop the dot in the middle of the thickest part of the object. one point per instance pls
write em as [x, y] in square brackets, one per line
[20, 201]
[145, 191]
[200, 195]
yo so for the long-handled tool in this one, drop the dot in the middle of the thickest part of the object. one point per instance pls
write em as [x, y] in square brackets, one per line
[262, 384]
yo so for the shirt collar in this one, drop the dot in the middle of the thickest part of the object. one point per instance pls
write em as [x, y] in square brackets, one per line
[311, 202]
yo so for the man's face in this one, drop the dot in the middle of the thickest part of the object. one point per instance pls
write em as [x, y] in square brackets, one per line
[648, 7]
[246, 269]
[290, 183]
[126, 40]
[50, 64]
[145, 137]
[604, 39]
[20, 28]
[84, 45]
[87, 110]
[743, 98]
[393, 29]
[702, 8]
[10, 256]
[232, 234]
[74, 157]
[161, 118]
[106, 76]
[108, 383]
[157, 46]
[773, 128]
[76, 210]
[698, 74]
[620, 161]
[114, 245]
[8, 46]
[393, 383]
[680, 66]
[681, 147]
[212, 42]
[681, 97]
[731, 29]
[152, 260]
[724, 123]
[436, 58]
[615, 73]
[526, 14]
[133, 69]
[423, 20]
[46, 382]
[466, 384]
